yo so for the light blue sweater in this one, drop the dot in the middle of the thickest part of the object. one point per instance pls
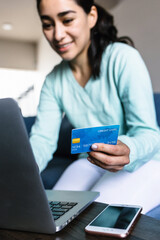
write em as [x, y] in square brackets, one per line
[122, 95]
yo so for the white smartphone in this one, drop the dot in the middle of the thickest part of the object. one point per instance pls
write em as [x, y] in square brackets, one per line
[115, 220]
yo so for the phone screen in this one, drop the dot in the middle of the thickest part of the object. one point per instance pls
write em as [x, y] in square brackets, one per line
[115, 217]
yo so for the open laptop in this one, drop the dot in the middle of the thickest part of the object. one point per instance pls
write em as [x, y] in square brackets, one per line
[24, 204]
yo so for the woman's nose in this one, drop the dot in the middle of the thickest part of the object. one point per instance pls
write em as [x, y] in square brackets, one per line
[59, 32]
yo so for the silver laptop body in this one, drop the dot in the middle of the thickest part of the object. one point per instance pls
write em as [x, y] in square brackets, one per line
[24, 204]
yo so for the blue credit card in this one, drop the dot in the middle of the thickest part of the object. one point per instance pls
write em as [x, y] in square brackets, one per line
[83, 138]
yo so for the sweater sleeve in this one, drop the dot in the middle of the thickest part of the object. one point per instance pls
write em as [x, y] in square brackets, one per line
[44, 133]
[135, 91]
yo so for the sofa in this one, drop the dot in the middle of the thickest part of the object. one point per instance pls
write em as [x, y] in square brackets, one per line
[157, 106]
[62, 157]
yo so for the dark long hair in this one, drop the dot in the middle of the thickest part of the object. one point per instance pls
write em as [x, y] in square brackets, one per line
[102, 34]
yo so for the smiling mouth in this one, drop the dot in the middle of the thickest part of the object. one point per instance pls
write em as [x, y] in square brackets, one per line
[63, 47]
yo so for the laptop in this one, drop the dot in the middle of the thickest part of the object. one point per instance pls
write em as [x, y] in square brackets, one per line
[24, 203]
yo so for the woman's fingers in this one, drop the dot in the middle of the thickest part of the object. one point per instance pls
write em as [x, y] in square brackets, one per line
[105, 165]
[110, 157]
[117, 150]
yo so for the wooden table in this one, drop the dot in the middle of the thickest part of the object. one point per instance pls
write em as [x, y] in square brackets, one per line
[147, 228]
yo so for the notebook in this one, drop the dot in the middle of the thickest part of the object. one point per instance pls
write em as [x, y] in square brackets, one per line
[24, 203]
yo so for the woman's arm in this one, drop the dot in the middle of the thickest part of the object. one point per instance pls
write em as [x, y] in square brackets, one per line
[142, 138]
[44, 133]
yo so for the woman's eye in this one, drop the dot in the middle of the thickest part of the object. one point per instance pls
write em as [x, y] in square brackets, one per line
[47, 25]
[67, 21]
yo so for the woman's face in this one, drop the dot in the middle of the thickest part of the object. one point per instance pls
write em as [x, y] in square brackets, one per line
[67, 27]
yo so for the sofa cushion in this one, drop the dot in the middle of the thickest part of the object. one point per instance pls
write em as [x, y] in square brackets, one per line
[157, 106]
[64, 142]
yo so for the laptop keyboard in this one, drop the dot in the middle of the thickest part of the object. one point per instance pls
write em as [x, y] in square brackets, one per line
[60, 208]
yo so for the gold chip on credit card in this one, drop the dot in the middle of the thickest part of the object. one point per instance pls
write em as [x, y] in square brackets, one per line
[76, 140]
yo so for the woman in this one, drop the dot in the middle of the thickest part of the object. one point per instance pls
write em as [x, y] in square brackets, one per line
[100, 81]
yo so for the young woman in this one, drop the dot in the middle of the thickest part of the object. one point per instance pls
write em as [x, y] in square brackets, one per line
[100, 81]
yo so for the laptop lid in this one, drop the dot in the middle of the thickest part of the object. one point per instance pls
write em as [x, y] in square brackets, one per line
[23, 200]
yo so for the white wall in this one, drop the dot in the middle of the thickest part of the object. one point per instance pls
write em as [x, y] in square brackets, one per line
[17, 59]
[46, 58]
[17, 54]
[23, 86]
[140, 20]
